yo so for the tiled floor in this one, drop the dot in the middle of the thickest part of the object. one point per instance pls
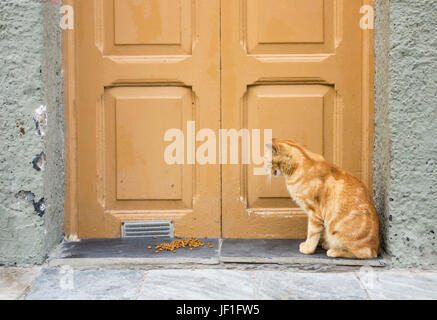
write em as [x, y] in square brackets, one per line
[67, 283]
[230, 269]
[15, 282]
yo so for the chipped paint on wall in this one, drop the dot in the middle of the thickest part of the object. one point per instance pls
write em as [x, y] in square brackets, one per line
[40, 118]
[39, 162]
[29, 196]
[20, 126]
[40, 207]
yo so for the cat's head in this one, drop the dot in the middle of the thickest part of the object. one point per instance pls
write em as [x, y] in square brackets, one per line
[286, 156]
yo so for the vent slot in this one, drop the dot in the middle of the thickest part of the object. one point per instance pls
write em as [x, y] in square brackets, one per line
[147, 229]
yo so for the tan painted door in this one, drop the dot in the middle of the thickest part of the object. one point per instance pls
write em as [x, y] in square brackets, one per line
[301, 68]
[144, 67]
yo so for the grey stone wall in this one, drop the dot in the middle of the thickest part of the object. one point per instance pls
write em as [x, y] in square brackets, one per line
[31, 158]
[406, 130]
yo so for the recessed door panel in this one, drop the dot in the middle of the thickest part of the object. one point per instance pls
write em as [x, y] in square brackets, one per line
[147, 22]
[146, 27]
[136, 116]
[305, 112]
[288, 26]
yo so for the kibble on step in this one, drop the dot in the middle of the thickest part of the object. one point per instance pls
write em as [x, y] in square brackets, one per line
[182, 243]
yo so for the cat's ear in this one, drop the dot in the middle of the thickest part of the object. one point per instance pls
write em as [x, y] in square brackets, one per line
[273, 147]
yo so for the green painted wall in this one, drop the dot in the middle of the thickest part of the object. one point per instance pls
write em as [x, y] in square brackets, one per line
[31, 189]
[406, 129]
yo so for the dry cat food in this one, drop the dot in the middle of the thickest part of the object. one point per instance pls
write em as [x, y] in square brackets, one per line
[180, 243]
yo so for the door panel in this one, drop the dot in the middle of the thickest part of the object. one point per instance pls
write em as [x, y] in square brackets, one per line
[135, 80]
[288, 26]
[139, 27]
[294, 66]
[150, 22]
[136, 117]
[300, 111]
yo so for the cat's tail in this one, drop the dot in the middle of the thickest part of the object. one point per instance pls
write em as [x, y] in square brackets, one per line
[364, 253]
[361, 253]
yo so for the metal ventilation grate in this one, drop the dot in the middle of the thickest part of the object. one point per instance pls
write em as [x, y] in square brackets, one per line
[147, 229]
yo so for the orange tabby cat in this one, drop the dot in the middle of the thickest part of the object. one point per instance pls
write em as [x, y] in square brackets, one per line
[341, 214]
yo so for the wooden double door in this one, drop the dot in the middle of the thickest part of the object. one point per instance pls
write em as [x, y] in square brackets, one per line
[143, 67]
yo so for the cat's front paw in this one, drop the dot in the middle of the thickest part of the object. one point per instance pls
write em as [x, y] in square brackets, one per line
[305, 248]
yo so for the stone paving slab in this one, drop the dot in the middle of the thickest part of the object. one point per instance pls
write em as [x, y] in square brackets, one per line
[14, 282]
[197, 285]
[245, 285]
[222, 284]
[402, 285]
[285, 251]
[70, 284]
[308, 286]
[129, 253]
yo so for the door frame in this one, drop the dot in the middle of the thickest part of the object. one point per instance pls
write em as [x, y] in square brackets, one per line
[70, 133]
[71, 227]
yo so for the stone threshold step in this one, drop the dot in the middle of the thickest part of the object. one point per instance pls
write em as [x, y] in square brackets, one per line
[135, 253]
